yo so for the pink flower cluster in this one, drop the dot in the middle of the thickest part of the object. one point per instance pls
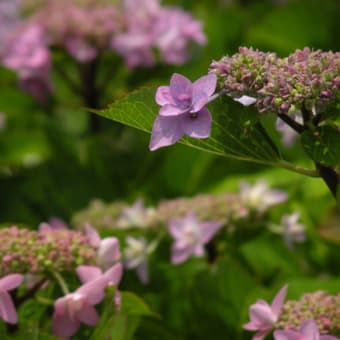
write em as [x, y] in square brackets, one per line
[149, 26]
[315, 316]
[305, 78]
[86, 30]
[320, 306]
[28, 251]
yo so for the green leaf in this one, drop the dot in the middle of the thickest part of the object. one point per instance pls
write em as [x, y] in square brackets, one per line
[323, 146]
[121, 325]
[134, 305]
[236, 130]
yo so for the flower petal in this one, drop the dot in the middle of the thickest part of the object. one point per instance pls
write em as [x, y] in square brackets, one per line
[11, 281]
[63, 326]
[202, 89]
[180, 254]
[88, 273]
[93, 235]
[7, 309]
[108, 252]
[262, 315]
[198, 127]
[88, 315]
[261, 335]
[180, 87]
[163, 96]
[143, 272]
[245, 100]
[94, 290]
[169, 110]
[310, 330]
[166, 131]
[278, 300]
[208, 230]
[288, 335]
[114, 274]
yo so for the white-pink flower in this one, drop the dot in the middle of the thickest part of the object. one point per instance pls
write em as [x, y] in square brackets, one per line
[7, 308]
[308, 331]
[263, 316]
[259, 196]
[190, 236]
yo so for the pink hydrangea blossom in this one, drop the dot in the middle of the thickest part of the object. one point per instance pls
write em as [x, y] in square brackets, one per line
[90, 273]
[190, 236]
[7, 309]
[78, 307]
[172, 32]
[28, 54]
[182, 110]
[149, 26]
[264, 316]
[28, 51]
[307, 331]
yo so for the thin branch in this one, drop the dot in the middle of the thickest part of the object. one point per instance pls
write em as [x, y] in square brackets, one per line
[292, 123]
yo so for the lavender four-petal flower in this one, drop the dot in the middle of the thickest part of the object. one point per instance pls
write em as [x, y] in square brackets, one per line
[7, 309]
[190, 236]
[263, 316]
[308, 331]
[182, 110]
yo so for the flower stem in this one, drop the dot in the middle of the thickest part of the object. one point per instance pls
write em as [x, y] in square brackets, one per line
[300, 170]
[44, 301]
[61, 282]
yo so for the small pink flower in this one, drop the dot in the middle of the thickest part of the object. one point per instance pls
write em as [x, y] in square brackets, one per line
[182, 110]
[7, 309]
[108, 252]
[90, 273]
[308, 331]
[190, 236]
[78, 307]
[263, 316]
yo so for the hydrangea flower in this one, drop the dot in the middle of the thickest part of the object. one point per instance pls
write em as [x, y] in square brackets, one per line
[75, 308]
[307, 331]
[190, 236]
[264, 316]
[322, 307]
[292, 230]
[260, 197]
[182, 110]
[136, 215]
[90, 273]
[7, 309]
[136, 256]
[108, 252]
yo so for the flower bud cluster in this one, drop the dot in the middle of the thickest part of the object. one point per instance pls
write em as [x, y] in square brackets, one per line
[319, 306]
[28, 251]
[305, 79]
